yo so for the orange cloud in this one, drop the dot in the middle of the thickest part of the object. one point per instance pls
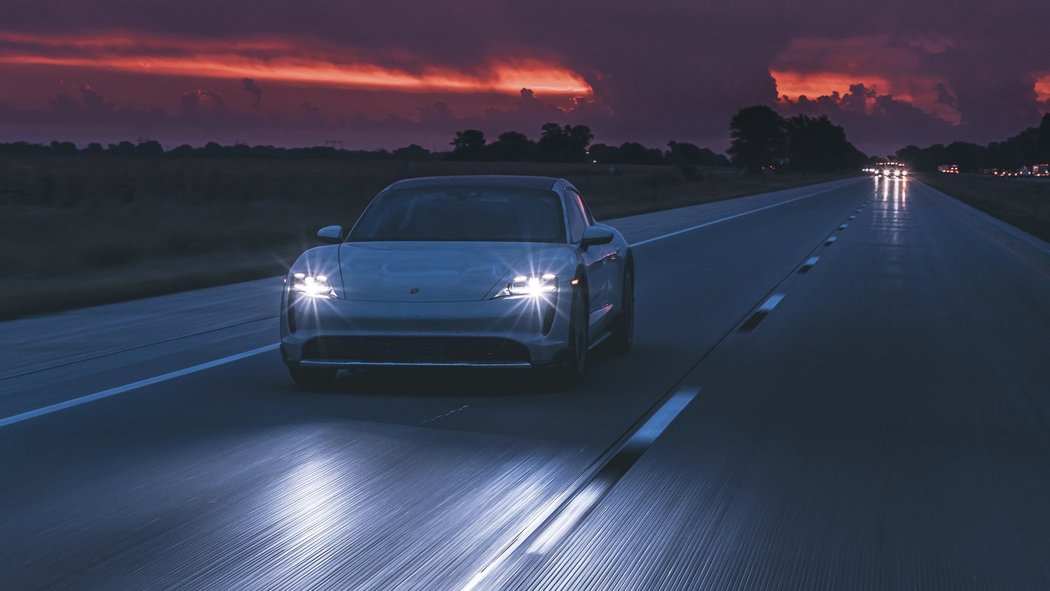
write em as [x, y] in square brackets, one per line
[1042, 87]
[792, 85]
[280, 61]
[817, 67]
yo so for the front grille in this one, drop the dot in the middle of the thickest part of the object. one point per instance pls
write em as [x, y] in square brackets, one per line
[416, 350]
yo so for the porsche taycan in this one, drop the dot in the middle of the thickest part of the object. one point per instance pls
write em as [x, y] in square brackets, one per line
[467, 271]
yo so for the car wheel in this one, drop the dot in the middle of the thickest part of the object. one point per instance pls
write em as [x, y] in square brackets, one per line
[572, 373]
[623, 330]
[312, 378]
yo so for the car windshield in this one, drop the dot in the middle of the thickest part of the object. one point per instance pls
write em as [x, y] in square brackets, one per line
[473, 214]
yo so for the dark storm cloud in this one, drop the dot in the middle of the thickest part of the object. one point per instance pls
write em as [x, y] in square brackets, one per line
[872, 121]
[945, 97]
[670, 69]
[253, 89]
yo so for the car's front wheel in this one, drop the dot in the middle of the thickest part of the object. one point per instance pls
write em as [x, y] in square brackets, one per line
[572, 373]
[312, 378]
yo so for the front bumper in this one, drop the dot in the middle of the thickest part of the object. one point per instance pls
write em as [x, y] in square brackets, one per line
[504, 332]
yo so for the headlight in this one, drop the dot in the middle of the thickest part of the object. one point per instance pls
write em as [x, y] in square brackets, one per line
[530, 285]
[315, 286]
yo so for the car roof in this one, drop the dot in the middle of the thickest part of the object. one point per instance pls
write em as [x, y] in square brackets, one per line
[487, 180]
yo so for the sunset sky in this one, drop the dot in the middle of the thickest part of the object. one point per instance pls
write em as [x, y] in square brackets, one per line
[385, 74]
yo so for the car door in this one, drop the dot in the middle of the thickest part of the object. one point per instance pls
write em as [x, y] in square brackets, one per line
[600, 260]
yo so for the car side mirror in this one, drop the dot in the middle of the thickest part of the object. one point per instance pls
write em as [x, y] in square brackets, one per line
[596, 235]
[330, 234]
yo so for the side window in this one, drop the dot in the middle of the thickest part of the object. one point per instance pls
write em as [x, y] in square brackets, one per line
[574, 213]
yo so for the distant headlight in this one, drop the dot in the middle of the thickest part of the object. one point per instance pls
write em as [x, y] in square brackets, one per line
[315, 286]
[533, 286]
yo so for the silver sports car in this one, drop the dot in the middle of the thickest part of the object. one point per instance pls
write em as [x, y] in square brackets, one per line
[468, 271]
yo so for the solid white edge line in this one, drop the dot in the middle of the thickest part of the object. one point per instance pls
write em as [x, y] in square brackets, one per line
[31, 414]
[732, 217]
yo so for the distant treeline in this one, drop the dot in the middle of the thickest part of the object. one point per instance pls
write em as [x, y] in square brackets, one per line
[1031, 146]
[762, 141]
[152, 148]
[564, 144]
[572, 143]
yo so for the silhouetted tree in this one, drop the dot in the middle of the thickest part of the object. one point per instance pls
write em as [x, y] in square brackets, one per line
[758, 138]
[684, 153]
[149, 148]
[183, 150]
[212, 149]
[468, 144]
[1043, 153]
[815, 144]
[411, 152]
[124, 148]
[563, 144]
[636, 153]
[604, 153]
[58, 147]
[512, 146]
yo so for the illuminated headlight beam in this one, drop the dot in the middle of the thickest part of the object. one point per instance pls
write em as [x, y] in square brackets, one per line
[533, 286]
[315, 286]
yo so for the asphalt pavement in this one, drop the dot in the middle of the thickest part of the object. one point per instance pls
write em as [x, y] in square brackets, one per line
[798, 413]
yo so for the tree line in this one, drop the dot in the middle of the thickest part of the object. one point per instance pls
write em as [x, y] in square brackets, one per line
[572, 143]
[762, 140]
[1031, 146]
[153, 148]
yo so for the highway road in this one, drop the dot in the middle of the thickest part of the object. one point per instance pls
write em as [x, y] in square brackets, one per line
[841, 386]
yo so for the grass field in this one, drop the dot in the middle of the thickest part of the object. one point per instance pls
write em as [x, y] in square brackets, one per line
[80, 230]
[1022, 202]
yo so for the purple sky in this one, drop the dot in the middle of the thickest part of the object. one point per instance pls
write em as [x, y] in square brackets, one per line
[385, 74]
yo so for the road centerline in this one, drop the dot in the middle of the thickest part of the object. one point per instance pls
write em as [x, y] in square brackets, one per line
[806, 266]
[762, 311]
[559, 516]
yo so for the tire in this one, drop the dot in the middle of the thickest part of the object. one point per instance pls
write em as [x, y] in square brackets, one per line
[623, 329]
[312, 378]
[573, 372]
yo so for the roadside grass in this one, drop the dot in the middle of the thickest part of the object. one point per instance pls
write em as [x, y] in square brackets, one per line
[1025, 203]
[81, 230]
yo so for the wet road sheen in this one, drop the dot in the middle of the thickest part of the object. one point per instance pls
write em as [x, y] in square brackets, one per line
[883, 425]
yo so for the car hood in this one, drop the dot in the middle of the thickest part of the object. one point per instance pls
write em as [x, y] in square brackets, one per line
[439, 271]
